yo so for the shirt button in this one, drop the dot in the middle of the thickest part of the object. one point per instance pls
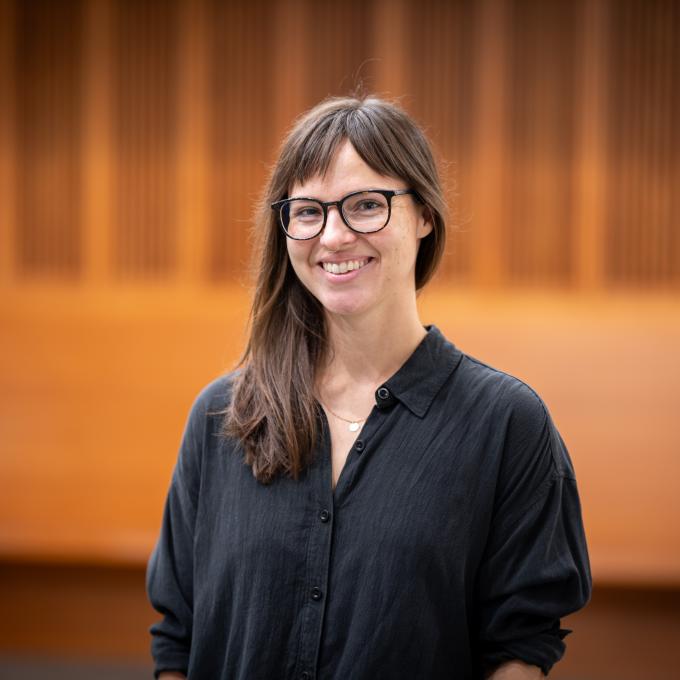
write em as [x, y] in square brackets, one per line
[316, 594]
[359, 445]
[383, 393]
[324, 515]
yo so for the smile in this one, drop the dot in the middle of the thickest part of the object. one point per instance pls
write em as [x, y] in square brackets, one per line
[344, 267]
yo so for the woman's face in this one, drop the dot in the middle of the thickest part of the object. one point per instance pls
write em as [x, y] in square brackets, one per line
[382, 274]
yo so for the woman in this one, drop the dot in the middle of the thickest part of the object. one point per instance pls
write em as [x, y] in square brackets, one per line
[363, 500]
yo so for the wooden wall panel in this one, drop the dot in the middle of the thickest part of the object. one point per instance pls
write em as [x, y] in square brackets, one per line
[8, 198]
[137, 135]
[644, 145]
[337, 44]
[536, 231]
[442, 90]
[97, 153]
[145, 126]
[590, 157]
[490, 147]
[241, 79]
[134, 142]
[48, 91]
[192, 145]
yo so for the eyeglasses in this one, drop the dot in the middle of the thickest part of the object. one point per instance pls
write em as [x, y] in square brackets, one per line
[362, 211]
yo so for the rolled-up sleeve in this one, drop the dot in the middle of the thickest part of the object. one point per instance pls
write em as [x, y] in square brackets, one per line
[535, 568]
[169, 577]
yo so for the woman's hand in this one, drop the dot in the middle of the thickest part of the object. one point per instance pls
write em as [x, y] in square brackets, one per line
[172, 675]
[516, 670]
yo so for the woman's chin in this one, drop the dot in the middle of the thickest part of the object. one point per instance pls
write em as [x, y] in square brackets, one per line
[343, 305]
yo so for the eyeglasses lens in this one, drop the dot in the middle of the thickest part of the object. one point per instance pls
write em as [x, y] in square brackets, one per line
[302, 218]
[364, 212]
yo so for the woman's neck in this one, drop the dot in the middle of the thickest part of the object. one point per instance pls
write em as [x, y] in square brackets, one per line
[366, 350]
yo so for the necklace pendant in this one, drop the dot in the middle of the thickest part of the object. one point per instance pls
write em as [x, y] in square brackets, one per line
[353, 427]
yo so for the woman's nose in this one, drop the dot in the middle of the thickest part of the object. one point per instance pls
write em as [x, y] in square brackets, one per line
[336, 233]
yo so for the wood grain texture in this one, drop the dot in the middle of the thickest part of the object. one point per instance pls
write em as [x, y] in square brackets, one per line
[134, 142]
[94, 398]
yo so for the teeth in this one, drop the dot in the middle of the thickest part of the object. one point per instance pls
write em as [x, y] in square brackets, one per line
[343, 267]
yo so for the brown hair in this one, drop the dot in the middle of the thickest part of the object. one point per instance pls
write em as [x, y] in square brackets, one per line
[274, 411]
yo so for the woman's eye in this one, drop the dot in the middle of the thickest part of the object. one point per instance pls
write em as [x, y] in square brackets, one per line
[306, 213]
[368, 205]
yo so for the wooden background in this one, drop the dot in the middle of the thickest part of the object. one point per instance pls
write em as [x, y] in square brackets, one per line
[134, 140]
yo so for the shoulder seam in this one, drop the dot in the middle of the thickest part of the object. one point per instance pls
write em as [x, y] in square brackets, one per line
[557, 469]
[474, 360]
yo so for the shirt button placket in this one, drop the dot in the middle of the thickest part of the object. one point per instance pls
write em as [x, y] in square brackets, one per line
[317, 575]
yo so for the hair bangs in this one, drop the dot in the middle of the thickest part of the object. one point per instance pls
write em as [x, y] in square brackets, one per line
[315, 151]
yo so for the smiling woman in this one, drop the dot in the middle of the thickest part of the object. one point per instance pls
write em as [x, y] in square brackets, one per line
[404, 510]
[383, 283]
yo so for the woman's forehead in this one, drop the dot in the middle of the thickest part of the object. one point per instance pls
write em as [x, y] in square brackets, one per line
[347, 171]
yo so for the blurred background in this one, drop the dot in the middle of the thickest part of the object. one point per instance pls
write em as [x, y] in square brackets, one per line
[135, 137]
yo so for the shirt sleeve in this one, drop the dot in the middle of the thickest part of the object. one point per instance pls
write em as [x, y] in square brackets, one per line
[169, 576]
[535, 568]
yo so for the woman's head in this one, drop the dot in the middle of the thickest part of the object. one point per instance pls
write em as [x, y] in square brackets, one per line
[274, 411]
[385, 138]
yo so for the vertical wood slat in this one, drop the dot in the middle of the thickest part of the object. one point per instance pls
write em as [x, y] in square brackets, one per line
[192, 160]
[489, 144]
[643, 146]
[240, 123]
[145, 127]
[642, 226]
[391, 32]
[590, 167]
[8, 217]
[670, 67]
[663, 84]
[48, 119]
[289, 78]
[536, 236]
[339, 43]
[442, 103]
[97, 151]
[667, 160]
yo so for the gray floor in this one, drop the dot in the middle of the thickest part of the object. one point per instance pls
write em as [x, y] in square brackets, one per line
[17, 668]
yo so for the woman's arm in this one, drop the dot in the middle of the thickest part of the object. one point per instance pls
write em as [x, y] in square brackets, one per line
[170, 572]
[172, 676]
[515, 670]
[535, 568]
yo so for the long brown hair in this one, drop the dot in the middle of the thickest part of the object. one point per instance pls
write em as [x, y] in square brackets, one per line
[274, 412]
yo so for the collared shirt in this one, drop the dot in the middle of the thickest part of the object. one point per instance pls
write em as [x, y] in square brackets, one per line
[452, 542]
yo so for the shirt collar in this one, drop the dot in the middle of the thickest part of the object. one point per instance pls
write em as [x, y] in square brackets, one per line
[417, 382]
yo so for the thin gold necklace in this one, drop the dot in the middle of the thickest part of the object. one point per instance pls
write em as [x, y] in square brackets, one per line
[353, 424]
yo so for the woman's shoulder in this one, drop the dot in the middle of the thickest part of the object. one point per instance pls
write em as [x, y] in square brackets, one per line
[518, 409]
[505, 390]
[214, 397]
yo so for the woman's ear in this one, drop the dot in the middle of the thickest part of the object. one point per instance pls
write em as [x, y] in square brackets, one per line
[425, 222]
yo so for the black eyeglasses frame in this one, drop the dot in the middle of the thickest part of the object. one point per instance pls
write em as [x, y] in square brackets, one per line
[277, 206]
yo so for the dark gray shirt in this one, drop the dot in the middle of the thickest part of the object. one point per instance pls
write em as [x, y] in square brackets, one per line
[452, 542]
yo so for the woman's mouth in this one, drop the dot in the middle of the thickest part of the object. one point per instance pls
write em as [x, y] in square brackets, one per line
[345, 266]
